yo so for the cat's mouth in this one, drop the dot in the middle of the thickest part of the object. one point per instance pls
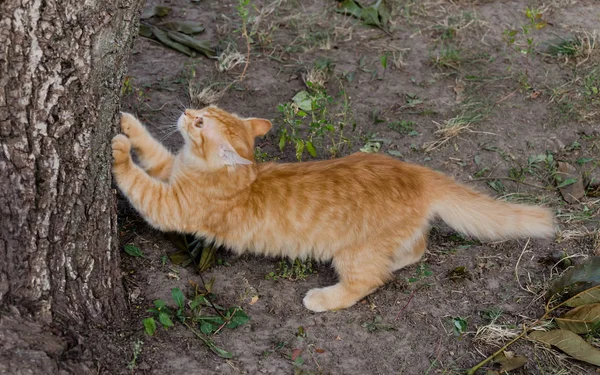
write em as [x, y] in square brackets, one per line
[199, 122]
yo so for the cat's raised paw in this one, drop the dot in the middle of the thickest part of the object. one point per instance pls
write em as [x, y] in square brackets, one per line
[121, 148]
[130, 126]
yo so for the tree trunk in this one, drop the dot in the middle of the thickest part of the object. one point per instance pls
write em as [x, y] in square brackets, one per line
[61, 69]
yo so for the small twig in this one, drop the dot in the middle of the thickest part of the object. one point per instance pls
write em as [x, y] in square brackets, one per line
[505, 97]
[517, 266]
[474, 369]
[412, 294]
[225, 323]
[203, 283]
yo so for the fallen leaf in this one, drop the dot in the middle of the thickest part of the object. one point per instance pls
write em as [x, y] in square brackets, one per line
[569, 182]
[173, 275]
[133, 251]
[253, 300]
[163, 37]
[296, 353]
[320, 350]
[570, 343]
[459, 90]
[509, 361]
[155, 11]
[579, 283]
[185, 27]
[581, 319]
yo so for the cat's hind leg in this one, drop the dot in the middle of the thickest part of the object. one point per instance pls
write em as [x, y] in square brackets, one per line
[409, 252]
[153, 157]
[360, 273]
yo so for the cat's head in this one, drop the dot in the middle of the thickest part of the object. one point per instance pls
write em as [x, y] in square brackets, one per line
[219, 138]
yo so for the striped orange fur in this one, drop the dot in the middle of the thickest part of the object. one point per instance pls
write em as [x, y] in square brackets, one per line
[368, 213]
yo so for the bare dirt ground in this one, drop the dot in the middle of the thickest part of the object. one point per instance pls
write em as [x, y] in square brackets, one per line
[491, 92]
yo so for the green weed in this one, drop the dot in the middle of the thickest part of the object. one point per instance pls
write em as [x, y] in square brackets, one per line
[137, 350]
[292, 270]
[193, 316]
[316, 119]
[421, 273]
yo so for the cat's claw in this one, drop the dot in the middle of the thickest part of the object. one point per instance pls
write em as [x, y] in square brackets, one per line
[130, 126]
[121, 148]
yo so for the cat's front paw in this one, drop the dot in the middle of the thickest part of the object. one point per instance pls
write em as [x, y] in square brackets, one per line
[130, 126]
[121, 149]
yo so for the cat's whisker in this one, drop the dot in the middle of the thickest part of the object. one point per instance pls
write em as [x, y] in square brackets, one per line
[169, 134]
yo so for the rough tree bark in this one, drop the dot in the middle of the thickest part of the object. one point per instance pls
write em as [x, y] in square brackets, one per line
[61, 69]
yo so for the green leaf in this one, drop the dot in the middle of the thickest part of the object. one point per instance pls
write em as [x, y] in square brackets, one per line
[582, 161]
[133, 251]
[581, 319]
[350, 8]
[208, 257]
[163, 37]
[145, 30]
[202, 46]
[460, 326]
[299, 149]
[208, 328]
[303, 100]
[567, 182]
[159, 303]
[164, 319]
[311, 149]
[220, 352]
[570, 343]
[383, 60]
[186, 27]
[178, 297]
[149, 326]
[238, 318]
[181, 258]
[579, 282]
[282, 139]
[155, 11]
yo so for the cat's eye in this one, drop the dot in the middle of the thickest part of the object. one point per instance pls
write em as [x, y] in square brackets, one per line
[198, 122]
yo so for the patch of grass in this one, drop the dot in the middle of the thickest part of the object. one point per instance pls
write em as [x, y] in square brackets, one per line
[472, 112]
[402, 126]
[448, 57]
[578, 47]
[292, 270]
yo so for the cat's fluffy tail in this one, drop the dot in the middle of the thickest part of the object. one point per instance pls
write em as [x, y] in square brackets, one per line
[478, 215]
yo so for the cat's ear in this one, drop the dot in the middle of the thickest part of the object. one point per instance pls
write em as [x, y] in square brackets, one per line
[260, 126]
[229, 156]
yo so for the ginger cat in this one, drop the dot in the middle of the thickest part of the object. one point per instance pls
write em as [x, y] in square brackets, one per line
[368, 213]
